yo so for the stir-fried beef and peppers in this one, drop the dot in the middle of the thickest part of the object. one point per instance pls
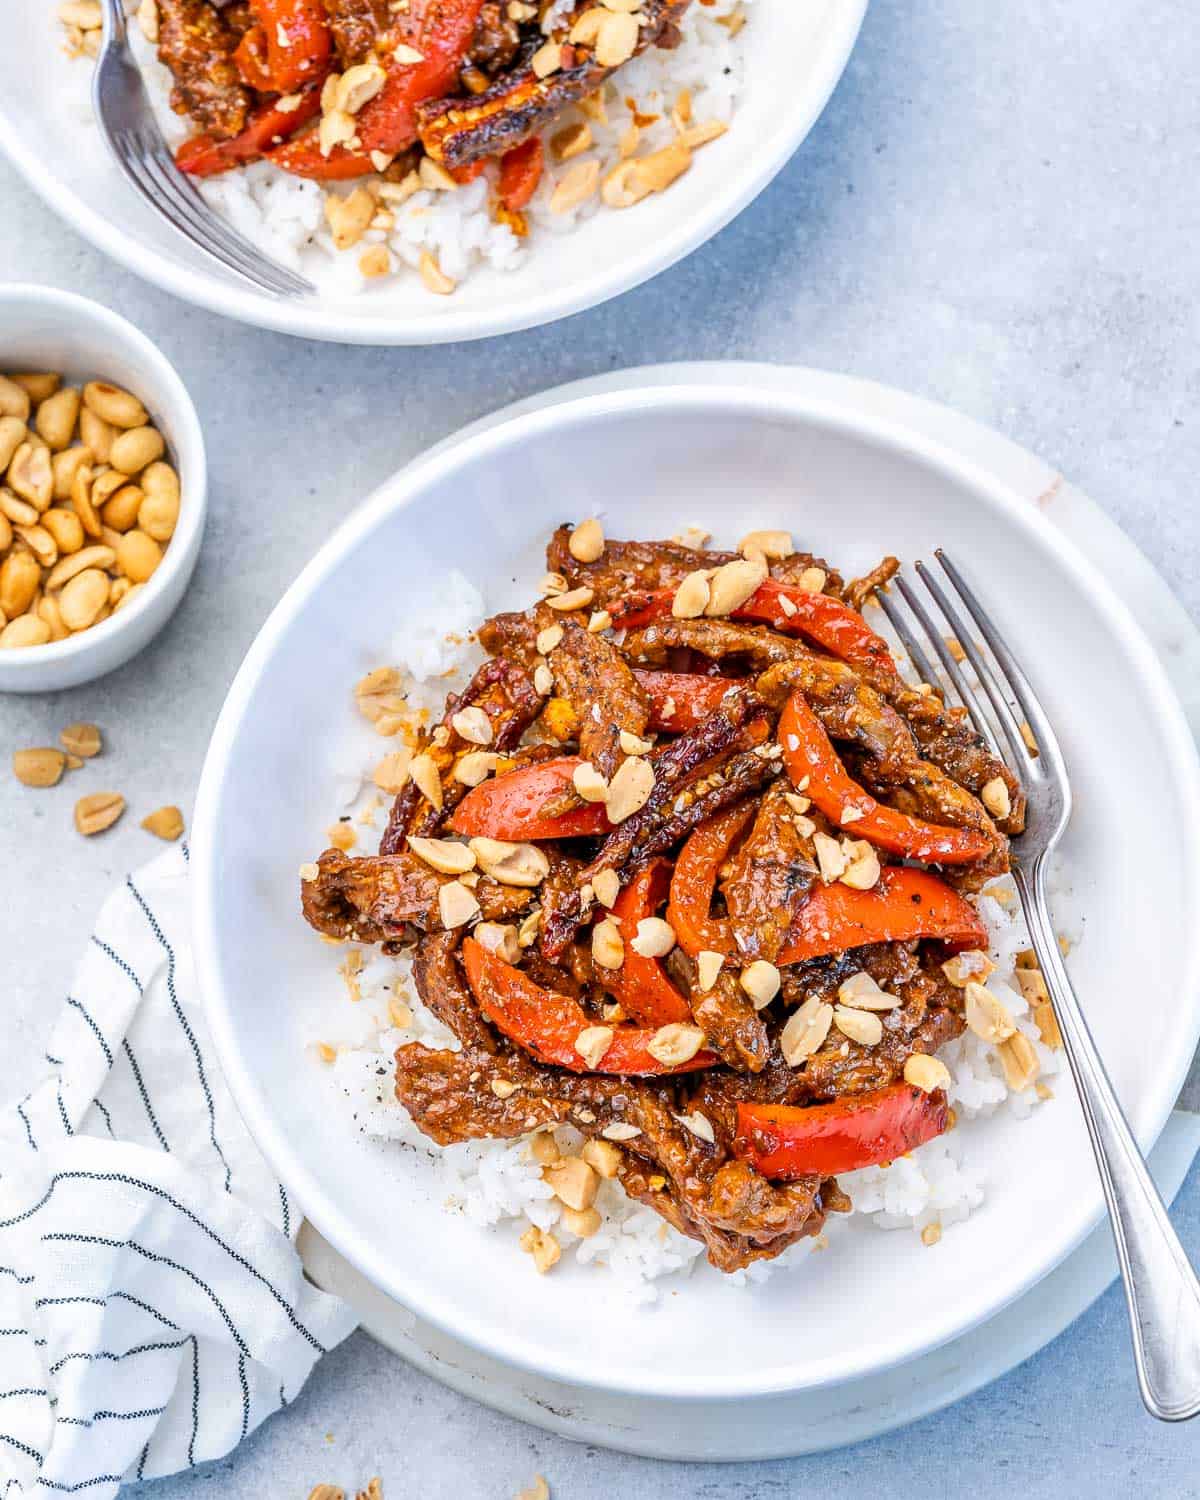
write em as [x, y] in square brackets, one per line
[337, 89]
[686, 867]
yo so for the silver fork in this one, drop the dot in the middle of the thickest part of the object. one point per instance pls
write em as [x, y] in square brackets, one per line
[1161, 1288]
[128, 125]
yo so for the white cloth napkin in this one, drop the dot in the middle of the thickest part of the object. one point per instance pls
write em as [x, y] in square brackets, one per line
[153, 1309]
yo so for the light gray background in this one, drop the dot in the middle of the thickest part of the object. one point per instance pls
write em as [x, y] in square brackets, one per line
[998, 210]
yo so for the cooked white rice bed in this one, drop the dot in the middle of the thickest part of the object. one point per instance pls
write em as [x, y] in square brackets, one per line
[496, 1183]
[285, 215]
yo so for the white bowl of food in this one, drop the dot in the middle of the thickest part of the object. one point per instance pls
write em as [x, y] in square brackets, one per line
[360, 647]
[103, 490]
[447, 266]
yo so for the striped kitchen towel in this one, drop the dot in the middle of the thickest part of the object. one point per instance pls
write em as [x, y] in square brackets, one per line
[153, 1309]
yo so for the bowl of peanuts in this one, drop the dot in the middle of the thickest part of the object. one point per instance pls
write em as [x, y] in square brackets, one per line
[102, 489]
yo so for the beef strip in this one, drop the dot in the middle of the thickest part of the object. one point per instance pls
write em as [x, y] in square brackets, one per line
[949, 739]
[735, 1031]
[506, 694]
[710, 1195]
[695, 776]
[645, 567]
[197, 44]
[768, 878]
[458, 131]
[597, 682]
[930, 1014]
[360, 28]
[381, 898]
[436, 976]
[497, 40]
[754, 646]
[514, 634]
[861, 589]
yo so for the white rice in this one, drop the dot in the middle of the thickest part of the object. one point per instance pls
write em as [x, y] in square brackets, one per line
[285, 215]
[496, 1183]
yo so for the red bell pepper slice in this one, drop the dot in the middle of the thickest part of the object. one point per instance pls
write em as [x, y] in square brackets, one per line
[472, 170]
[388, 122]
[298, 41]
[520, 173]
[250, 59]
[641, 984]
[204, 156]
[812, 760]
[302, 157]
[828, 622]
[507, 806]
[903, 905]
[547, 1024]
[785, 1142]
[680, 701]
[695, 879]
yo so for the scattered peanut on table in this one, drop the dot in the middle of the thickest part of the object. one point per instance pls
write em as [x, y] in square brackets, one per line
[87, 504]
[44, 765]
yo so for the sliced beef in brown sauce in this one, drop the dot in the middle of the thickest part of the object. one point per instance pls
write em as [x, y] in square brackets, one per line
[382, 898]
[598, 683]
[767, 879]
[197, 44]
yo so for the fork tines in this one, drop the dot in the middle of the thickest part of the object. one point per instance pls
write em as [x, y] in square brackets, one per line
[127, 123]
[1015, 710]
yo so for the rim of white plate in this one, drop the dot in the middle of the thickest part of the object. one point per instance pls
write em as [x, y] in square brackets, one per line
[938, 1325]
[601, 283]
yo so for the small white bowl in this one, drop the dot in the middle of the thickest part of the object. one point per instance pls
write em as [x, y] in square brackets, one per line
[45, 329]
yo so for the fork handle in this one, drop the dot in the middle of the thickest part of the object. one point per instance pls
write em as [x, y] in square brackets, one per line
[1161, 1289]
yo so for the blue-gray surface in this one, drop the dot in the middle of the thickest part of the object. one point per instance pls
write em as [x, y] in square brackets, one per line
[998, 210]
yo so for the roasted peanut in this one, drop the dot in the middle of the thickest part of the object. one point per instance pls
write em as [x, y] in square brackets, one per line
[133, 450]
[128, 596]
[83, 599]
[47, 609]
[138, 555]
[56, 417]
[164, 823]
[13, 433]
[121, 508]
[65, 527]
[19, 512]
[96, 434]
[158, 513]
[81, 499]
[40, 543]
[38, 767]
[25, 630]
[99, 811]
[30, 476]
[63, 466]
[113, 405]
[14, 402]
[37, 386]
[19, 578]
[68, 567]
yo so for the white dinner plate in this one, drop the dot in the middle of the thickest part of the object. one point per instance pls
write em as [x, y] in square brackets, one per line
[795, 53]
[851, 485]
